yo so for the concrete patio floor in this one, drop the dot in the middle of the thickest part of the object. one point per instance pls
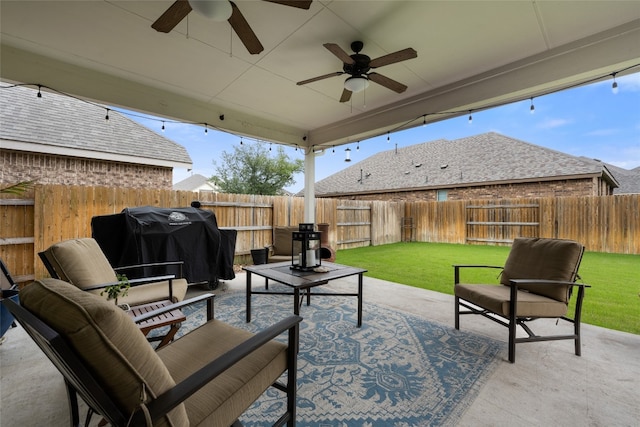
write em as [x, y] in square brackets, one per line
[548, 384]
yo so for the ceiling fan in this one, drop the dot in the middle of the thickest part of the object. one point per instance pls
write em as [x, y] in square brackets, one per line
[219, 10]
[358, 66]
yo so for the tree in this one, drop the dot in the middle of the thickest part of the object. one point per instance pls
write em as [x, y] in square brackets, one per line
[250, 169]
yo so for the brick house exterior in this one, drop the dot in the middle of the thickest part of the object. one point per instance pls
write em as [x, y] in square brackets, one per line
[487, 166]
[57, 139]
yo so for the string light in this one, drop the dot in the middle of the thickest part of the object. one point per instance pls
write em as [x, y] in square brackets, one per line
[333, 149]
[424, 120]
[532, 109]
[358, 146]
[614, 88]
[347, 154]
[206, 126]
[270, 144]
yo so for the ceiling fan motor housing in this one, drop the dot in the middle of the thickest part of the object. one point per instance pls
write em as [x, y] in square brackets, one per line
[360, 65]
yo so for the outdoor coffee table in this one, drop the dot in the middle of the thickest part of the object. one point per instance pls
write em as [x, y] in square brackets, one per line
[172, 318]
[302, 281]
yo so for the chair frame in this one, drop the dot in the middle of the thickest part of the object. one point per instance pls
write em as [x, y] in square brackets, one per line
[513, 321]
[80, 381]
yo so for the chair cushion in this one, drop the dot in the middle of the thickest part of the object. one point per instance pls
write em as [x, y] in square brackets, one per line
[81, 262]
[495, 298]
[107, 339]
[282, 240]
[221, 401]
[550, 259]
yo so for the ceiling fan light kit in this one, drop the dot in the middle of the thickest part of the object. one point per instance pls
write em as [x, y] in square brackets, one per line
[216, 10]
[356, 84]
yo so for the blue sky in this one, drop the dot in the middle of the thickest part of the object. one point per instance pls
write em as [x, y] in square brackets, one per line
[588, 121]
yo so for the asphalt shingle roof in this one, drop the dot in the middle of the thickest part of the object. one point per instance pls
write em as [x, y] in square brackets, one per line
[485, 158]
[62, 121]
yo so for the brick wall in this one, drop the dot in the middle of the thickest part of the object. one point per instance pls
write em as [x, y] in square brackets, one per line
[562, 188]
[19, 166]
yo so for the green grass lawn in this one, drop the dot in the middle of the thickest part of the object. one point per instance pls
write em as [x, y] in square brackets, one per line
[612, 302]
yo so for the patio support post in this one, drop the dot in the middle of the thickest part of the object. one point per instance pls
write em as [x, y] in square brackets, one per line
[309, 186]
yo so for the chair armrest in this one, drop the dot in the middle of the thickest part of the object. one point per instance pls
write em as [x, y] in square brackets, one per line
[135, 282]
[152, 264]
[183, 390]
[208, 297]
[457, 267]
[535, 282]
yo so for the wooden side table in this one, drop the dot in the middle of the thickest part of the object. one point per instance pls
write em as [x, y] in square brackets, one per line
[172, 318]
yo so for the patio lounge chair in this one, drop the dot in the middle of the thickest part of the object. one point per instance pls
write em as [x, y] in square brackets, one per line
[536, 282]
[209, 377]
[82, 263]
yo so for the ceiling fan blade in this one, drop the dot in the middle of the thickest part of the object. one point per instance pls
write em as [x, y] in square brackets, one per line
[315, 79]
[341, 54]
[387, 82]
[301, 4]
[244, 31]
[392, 58]
[172, 16]
[346, 95]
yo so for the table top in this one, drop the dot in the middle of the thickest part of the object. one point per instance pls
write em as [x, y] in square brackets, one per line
[164, 319]
[283, 273]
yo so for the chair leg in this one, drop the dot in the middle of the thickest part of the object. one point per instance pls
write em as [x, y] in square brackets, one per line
[457, 313]
[513, 323]
[72, 398]
[576, 321]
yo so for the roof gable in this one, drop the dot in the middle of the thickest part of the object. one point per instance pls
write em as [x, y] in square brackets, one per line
[60, 124]
[484, 158]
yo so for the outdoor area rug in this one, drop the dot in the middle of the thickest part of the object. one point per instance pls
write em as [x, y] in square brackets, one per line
[396, 370]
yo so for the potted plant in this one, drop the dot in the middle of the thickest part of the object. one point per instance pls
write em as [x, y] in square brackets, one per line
[117, 290]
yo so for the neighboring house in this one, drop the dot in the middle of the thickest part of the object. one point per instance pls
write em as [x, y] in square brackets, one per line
[196, 183]
[629, 179]
[58, 139]
[484, 166]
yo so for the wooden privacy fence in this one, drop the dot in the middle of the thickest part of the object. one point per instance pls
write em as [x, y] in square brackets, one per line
[53, 213]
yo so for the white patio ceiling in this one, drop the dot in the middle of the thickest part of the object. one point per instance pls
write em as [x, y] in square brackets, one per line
[471, 54]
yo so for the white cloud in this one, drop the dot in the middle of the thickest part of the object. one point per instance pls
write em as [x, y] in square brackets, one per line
[603, 132]
[553, 123]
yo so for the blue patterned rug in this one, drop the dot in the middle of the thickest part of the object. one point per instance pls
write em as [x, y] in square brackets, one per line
[396, 370]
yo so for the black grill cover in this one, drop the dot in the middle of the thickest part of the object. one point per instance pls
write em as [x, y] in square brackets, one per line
[150, 234]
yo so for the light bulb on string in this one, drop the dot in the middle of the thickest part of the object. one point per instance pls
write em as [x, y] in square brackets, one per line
[532, 109]
[614, 86]
[333, 149]
[358, 146]
[163, 126]
[470, 117]
[388, 137]
[240, 140]
[424, 120]
[206, 128]
[270, 147]
[39, 93]
[107, 116]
